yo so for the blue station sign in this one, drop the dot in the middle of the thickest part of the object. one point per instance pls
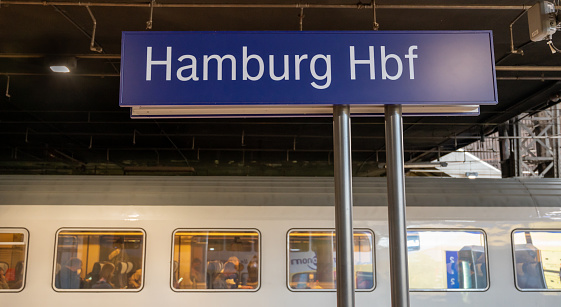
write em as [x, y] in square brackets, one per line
[452, 270]
[307, 68]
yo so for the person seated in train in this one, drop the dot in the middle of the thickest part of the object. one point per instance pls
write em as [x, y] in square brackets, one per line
[106, 274]
[253, 271]
[135, 281]
[533, 275]
[17, 283]
[69, 275]
[92, 276]
[228, 278]
[236, 262]
[3, 282]
[213, 269]
[313, 284]
[529, 275]
[196, 271]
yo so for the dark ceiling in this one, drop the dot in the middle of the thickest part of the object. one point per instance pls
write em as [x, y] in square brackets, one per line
[72, 124]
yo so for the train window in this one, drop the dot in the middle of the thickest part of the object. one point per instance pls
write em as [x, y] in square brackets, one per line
[311, 263]
[215, 260]
[13, 254]
[447, 260]
[99, 260]
[537, 258]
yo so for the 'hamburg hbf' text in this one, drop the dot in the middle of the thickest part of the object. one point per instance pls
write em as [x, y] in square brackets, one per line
[188, 68]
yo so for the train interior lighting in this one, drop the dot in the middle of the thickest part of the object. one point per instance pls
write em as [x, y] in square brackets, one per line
[13, 253]
[99, 260]
[215, 260]
[312, 259]
[60, 69]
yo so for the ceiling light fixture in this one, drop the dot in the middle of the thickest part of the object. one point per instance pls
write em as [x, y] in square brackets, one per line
[62, 65]
[59, 68]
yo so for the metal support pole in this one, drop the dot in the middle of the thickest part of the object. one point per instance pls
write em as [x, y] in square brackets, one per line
[517, 142]
[343, 206]
[556, 142]
[396, 207]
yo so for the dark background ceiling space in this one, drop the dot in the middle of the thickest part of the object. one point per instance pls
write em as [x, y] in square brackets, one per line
[72, 124]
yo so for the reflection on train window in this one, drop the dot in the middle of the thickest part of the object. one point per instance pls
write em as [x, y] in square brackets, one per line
[13, 254]
[312, 260]
[218, 260]
[447, 260]
[99, 260]
[537, 255]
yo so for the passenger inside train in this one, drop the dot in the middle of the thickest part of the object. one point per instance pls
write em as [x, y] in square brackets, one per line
[227, 278]
[105, 277]
[3, 282]
[229, 260]
[13, 249]
[91, 259]
[221, 260]
[68, 277]
[135, 281]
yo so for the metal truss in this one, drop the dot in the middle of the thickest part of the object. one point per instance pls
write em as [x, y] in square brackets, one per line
[537, 144]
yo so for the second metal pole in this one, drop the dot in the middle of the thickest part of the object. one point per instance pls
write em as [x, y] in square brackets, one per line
[343, 206]
[396, 207]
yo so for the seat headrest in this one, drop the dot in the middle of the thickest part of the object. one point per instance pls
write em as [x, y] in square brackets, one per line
[130, 266]
[215, 266]
[4, 266]
[122, 267]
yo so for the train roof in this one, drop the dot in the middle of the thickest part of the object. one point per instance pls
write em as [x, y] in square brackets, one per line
[270, 191]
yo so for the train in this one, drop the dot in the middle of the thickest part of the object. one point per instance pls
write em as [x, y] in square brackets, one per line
[270, 241]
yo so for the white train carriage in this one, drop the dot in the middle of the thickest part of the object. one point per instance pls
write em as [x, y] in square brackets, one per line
[256, 241]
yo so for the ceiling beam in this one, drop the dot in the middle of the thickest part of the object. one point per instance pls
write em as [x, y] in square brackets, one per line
[528, 68]
[536, 101]
[148, 4]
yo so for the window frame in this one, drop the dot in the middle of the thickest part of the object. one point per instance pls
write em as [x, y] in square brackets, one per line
[486, 250]
[260, 254]
[287, 262]
[25, 233]
[101, 230]
[513, 250]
